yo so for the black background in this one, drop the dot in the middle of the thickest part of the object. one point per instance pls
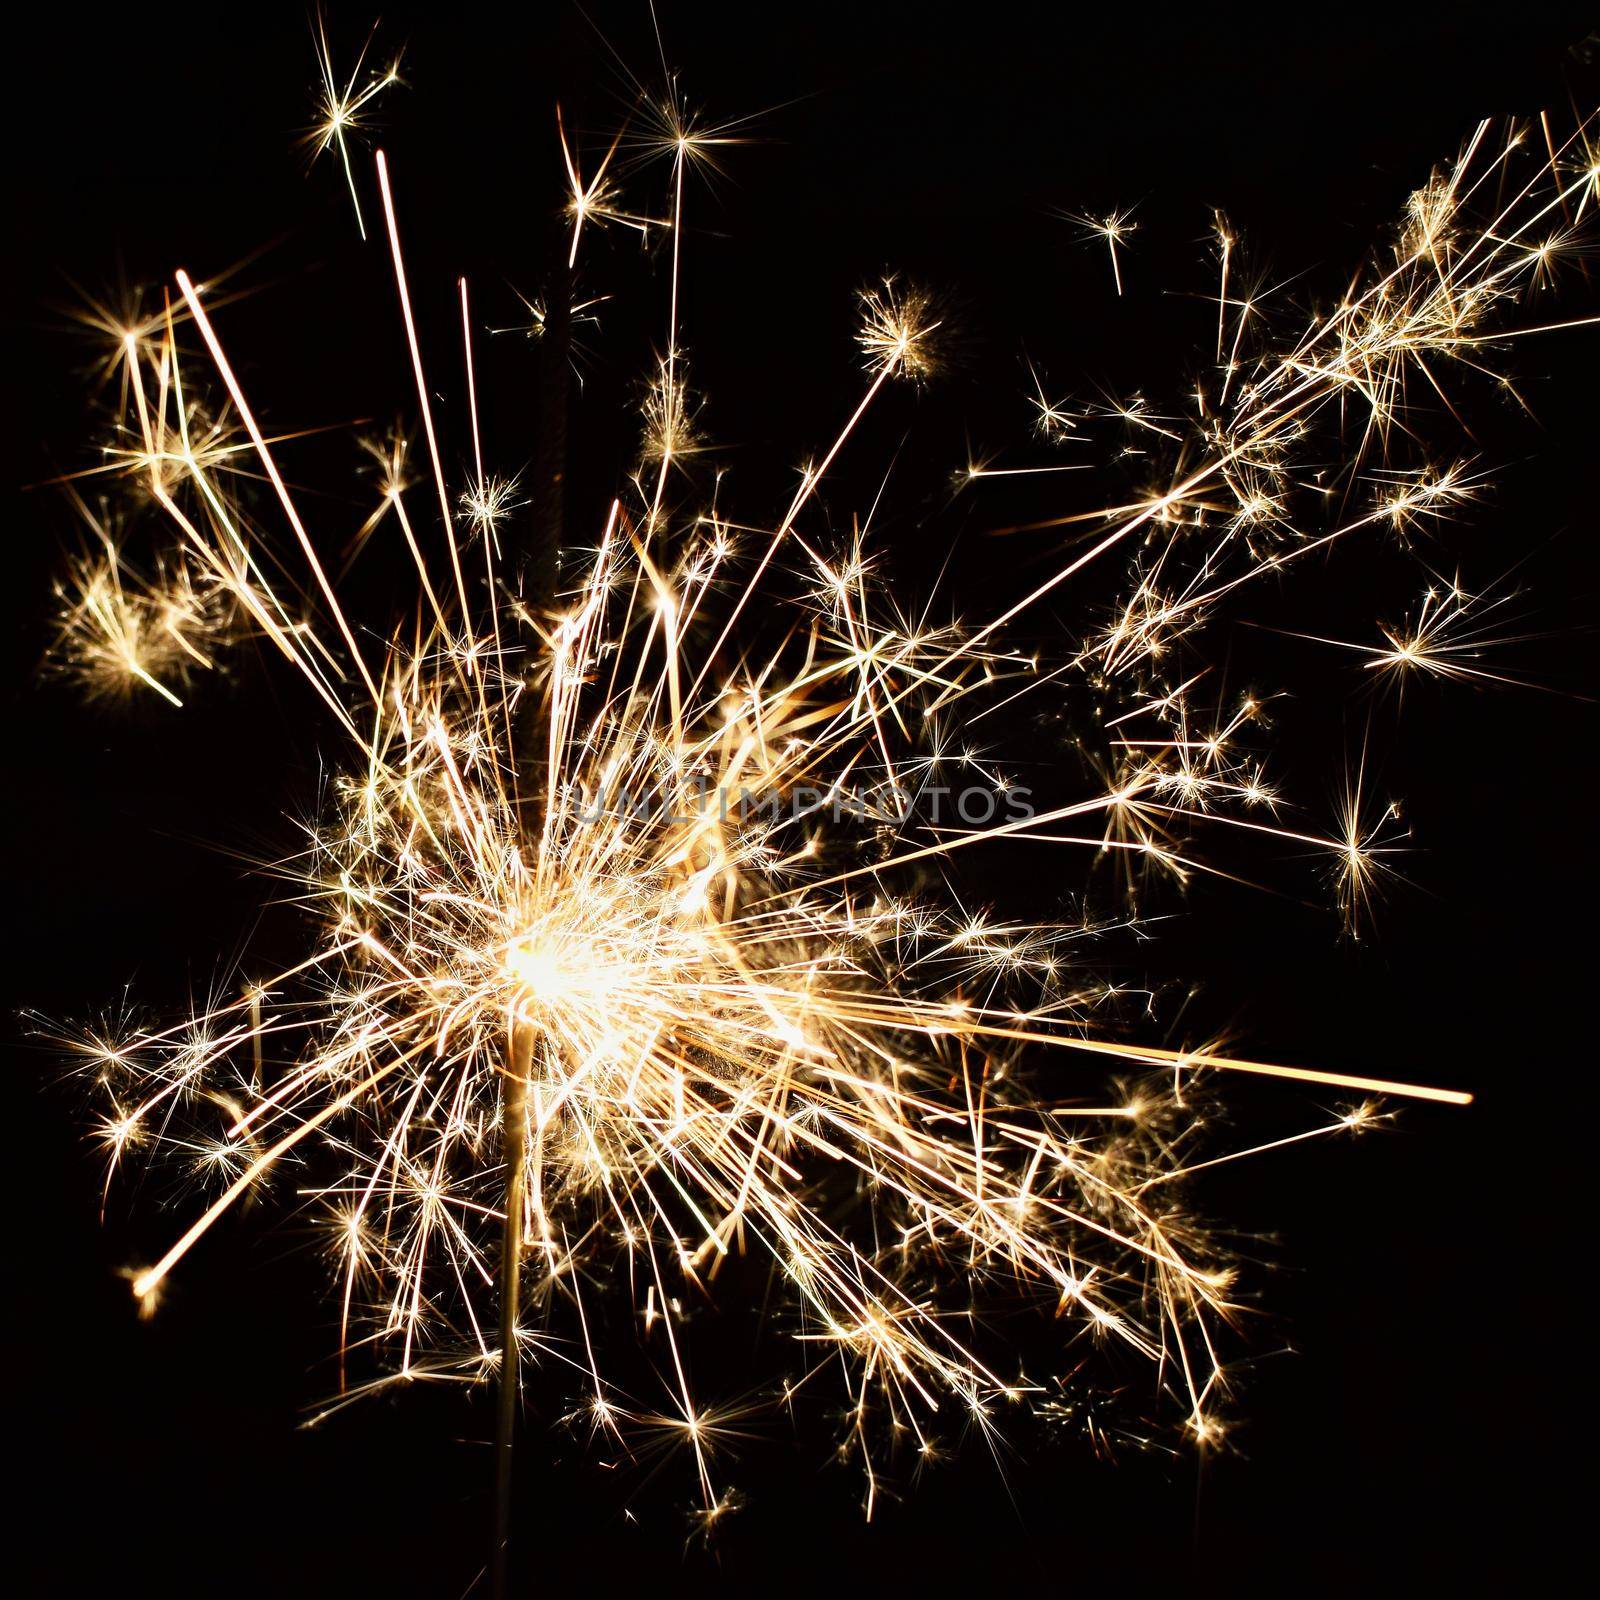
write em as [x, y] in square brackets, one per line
[1425, 1277]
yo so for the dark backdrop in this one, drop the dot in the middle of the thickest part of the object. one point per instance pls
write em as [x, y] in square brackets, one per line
[1421, 1277]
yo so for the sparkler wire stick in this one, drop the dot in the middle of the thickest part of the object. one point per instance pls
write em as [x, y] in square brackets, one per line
[514, 1146]
[536, 745]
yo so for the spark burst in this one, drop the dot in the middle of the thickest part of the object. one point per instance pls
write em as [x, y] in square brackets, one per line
[624, 888]
[345, 112]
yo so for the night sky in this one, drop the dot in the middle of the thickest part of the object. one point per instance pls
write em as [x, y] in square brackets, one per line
[1418, 1373]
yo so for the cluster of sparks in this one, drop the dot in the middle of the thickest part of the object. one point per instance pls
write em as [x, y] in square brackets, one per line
[764, 1029]
[120, 630]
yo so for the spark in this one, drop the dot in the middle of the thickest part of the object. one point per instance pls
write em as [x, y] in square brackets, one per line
[118, 630]
[1114, 229]
[898, 323]
[342, 109]
[1446, 637]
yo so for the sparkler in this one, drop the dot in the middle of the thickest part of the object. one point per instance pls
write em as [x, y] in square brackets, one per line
[623, 971]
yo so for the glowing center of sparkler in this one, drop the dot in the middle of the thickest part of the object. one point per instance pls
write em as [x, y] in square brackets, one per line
[537, 968]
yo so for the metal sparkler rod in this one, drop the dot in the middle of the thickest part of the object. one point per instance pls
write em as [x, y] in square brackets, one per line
[514, 1140]
[540, 577]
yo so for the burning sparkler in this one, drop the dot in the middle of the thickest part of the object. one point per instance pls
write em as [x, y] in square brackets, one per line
[623, 969]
